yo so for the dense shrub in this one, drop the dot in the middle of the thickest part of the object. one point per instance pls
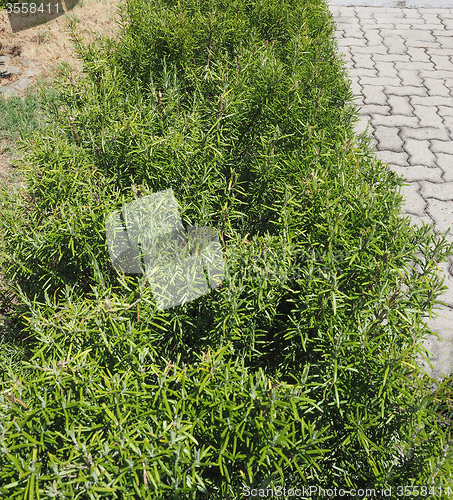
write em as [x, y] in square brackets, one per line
[301, 367]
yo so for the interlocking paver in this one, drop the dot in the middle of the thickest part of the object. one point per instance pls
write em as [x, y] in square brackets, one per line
[405, 71]
[416, 173]
[388, 139]
[353, 42]
[370, 81]
[395, 120]
[414, 203]
[400, 105]
[419, 152]
[442, 147]
[408, 90]
[445, 162]
[448, 122]
[360, 72]
[440, 73]
[393, 158]
[391, 57]
[371, 50]
[442, 191]
[445, 41]
[374, 39]
[414, 66]
[436, 86]
[385, 69]
[363, 61]
[442, 62]
[427, 115]
[374, 94]
[432, 100]
[425, 133]
[409, 78]
[419, 54]
[374, 109]
[355, 86]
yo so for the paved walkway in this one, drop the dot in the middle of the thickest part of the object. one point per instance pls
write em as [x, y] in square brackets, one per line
[401, 66]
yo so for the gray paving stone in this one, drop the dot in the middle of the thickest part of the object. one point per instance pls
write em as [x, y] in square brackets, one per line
[30, 72]
[416, 43]
[385, 69]
[363, 61]
[388, 139]
[445, 110]
[407, 90]
[358, 73]
[448, 122]
[440, 73]
[436, 87]
[419, 152]
[413, 202]
[393, 158]
[440, 52]
[375, 109]
[362, 125]
[415, 173]
[433, 100]
[445, 162]
[395, 121]
[366, 80]
[442, 62]
[372, 50]
[373, 38]
[445, 42]
[410, 78]
[28, 64]
[396, 45]
[21, 83]
[442, 147]
[12, 70]
[356, 87]
[418, 35]
[400, 105]
[414, 66]
[443, 191]
[425, 133]
[427, 115]
[418, 54]
[384, 14]
[374, 94]
[391, 58]
[8, 91]
[365, 12]
[439, 347]
[352, 42]
[442, 212]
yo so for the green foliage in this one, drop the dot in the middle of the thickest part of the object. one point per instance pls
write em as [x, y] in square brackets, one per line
[302, 366]
[19, 116]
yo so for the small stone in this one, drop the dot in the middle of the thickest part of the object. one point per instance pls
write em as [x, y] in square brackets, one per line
[30, 72]
[8, 91]
[27, 63]
[4, 60]
[22, 83]
[12, 70]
